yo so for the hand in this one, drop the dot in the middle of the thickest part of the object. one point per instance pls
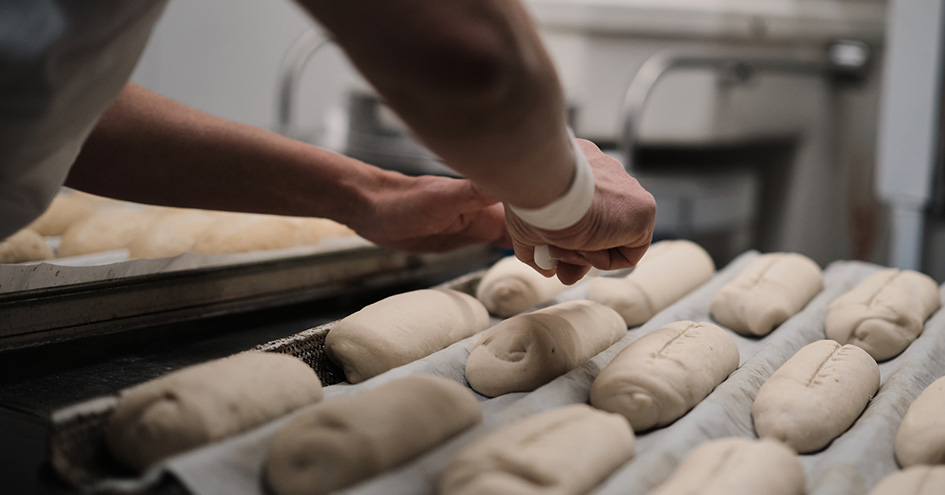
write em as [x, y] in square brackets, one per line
[614, 233]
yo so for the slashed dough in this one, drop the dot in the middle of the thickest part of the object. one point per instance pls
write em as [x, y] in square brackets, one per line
[771, 289]
[914, 480]
[205, 403]
[242, 233]
[921, 436]
[106, 230]
[884, 313]
[816, 395]
[65, 210]
[737, 466]
[668, 271]
[661, 376]
[25, 245]
[527, 351]
[568, 450]
[350, 439]
[402, 328]
[510, 287]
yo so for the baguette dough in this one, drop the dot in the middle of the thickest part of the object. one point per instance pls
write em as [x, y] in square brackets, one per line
[106, 230]
[884, 313]
[402, 328]
[737, 466]
[816, 395]
[668, 271]
[244, 232]
[915, 480]
[568, 450]
[921, 437]
[25, 245]
[771, 289]
[661, 376]
[527, 351]
[64, 211]
[352, 438]
[205, 403]
[172, 232]
[510, 287]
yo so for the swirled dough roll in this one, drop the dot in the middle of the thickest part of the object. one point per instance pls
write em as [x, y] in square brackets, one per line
[25, 245]
[564, 451]
[527, 351]
[914, 480]
[668, 271]
[771, 289]
[921, 437]
[737, 466]
[205, 403]
[402, 328]
[884, 313]
[352, 438]
[510, 287]
[816, 395]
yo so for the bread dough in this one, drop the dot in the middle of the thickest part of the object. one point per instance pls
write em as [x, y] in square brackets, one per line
[350, 439]
[106, 230]
[244, 232]
[771, 289]
[527, 351]
[816, 395]
[668, 271]
[205, 403]
[661, 376]
[402, 328]
[510, 287]
[921, 437]
[915, 480]
[568, 450]
[65, 210]
[737, 466]
[884, 313]
[172, 232]
[25, 245]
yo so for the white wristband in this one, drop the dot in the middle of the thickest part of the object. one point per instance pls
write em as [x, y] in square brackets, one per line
[569, 208]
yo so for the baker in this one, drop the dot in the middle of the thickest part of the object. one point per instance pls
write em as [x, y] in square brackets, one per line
[470, 77]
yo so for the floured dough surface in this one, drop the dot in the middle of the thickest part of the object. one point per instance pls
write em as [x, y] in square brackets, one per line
[205, 403]
[915, 480]
[25, 245]
[527, 351]
[771, 289]
[921, 436]
[171, 233]
[402, 328]
[661, 376]
[668, 271]
[884, 313]
[106, 230]
[510, 287]
[565, 451]
[66, 209]
[350, 439]
[816, 395]
[737, 466]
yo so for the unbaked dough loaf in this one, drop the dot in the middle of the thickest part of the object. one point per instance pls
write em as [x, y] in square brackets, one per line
[527, 351]
[771, 289]
[350, 439]
[921, 437]
[659, 377]
[816, 395]
[884, 313]
[402, 328]
[245, 232]
[915, 480]
[66, 209]
[107, 229]
[668, 271]
[206, 403]
[510, 287]
[737, 466]
[172, 232]
[25, 245]
[568, 450]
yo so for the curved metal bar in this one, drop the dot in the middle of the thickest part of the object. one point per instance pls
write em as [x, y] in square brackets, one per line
[290, 72]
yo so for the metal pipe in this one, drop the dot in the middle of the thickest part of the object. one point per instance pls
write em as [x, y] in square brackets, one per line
[290, 72]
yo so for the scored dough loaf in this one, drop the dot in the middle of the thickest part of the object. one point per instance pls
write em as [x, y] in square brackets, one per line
[245, 232]
[914, 480]
[771, 289]
[564, 451]
[25, 245]
[350, 439]
[172, 232]
[510, 287]
[661, 376]
[205, 403]
[884, 313]
[527, 351]
[921, 436]
[402, 328]
[668, 271]
[816, 395]
[105, 230]
[65, 210]
[737, 466]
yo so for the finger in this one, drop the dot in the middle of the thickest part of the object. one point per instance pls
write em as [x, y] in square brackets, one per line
[614, 259]
[569, 274]
[568, 256]
[526, 254]
[469, 198]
